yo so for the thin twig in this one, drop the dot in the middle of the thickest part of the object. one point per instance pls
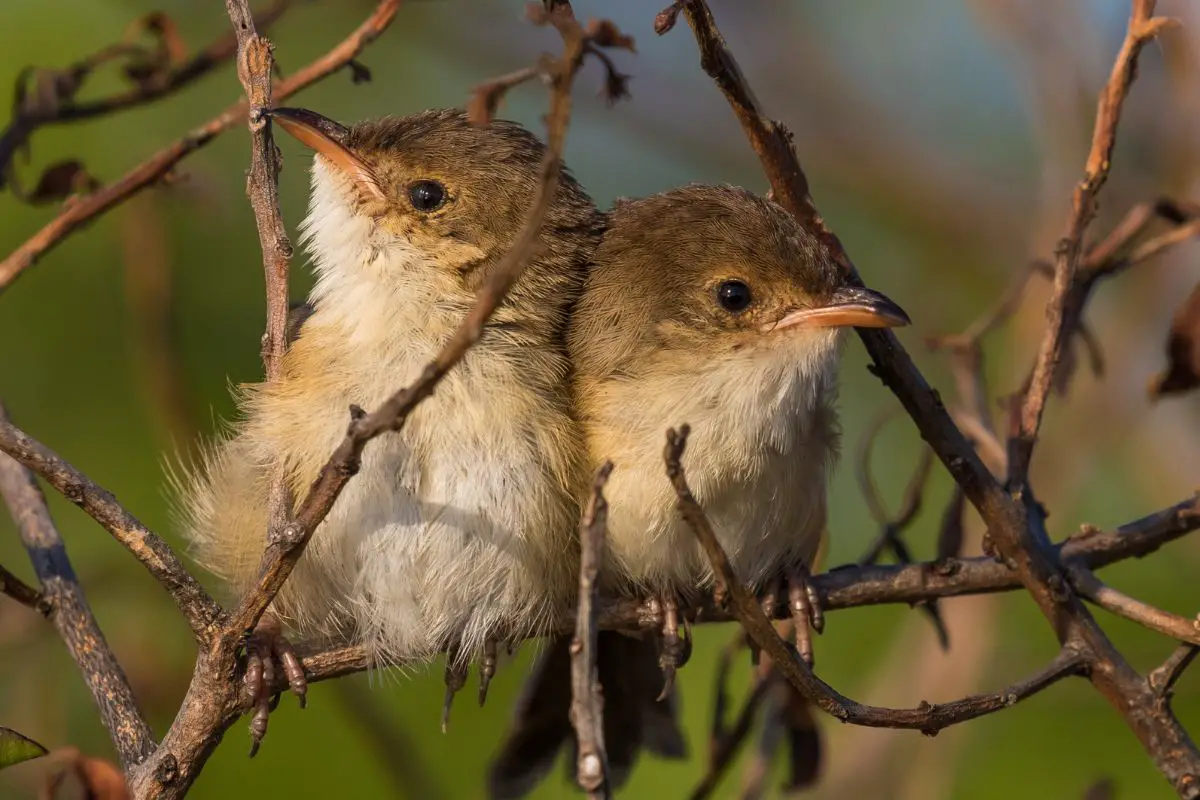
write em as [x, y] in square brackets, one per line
[1065, 306]
[1163, 678]
[196, 605]
[587, 704]
[22, 592]
[255, 63]
[147, 89]
[71, 614]
[161, 163]
[926, 718]
[1146, 615]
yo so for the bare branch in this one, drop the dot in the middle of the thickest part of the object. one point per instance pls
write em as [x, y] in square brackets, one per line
[1062, 313]
[926, 718]
[255, 66]
[1162, 680]
[71, 615]
[197, 606]
[1146, 615]
[147, 88]
[161, 163]
[587, 704]
[23, 593]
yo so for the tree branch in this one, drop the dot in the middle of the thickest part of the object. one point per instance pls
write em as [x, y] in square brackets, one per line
[23, 593]
[161, 163]
[587, 704]
[71, 615]
[255, 65]
[1066, 303]
[148, 88]
[197, 606]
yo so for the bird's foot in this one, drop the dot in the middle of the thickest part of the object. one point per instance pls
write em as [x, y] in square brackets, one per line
[457, 670]
[805, 606]
[675, 649]
[268, 650]
[487, 669]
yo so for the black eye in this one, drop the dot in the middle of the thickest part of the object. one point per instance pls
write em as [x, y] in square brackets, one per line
[734, 296]
[427, 195]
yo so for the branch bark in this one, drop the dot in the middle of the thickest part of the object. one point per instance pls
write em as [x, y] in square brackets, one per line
[71, 615]
[587, 704]
[197, 606]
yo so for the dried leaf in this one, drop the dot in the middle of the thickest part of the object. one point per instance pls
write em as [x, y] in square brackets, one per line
[94, 778]
[1103, 789]
[169, 48]
[359, 73]
[605, 33]
[60, 181]
[15, 748]
[665, 20]
[1183, 351]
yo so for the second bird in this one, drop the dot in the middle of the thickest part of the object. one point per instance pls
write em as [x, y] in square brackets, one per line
[710, 306]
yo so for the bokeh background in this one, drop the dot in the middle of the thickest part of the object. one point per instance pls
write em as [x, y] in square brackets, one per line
[942, 140]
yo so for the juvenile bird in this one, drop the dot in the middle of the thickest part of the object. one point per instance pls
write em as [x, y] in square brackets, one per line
[711, 306]
[459, 530]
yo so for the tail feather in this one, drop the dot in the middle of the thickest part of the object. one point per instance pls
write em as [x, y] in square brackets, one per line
[630, 681]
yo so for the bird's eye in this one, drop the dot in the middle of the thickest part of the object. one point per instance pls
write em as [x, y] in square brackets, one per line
[734, 296]
[426, 196]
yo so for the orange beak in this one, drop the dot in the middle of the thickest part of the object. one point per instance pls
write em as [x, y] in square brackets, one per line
[328, 138]
[850, 306]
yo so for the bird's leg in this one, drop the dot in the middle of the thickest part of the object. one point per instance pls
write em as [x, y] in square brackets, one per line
[267, 649]
[805, 607]
[487, 669]
[675, 649]
[456, 678]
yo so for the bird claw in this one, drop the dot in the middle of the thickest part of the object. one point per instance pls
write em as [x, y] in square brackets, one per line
[676, 649]
[487, 669]
[455, 678]
[805, 606]
[267, 650]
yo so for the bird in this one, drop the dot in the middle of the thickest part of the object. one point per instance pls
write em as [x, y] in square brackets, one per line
[458, 531]
[710, 306]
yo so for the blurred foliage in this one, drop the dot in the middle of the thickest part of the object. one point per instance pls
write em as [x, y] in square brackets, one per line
[942, 141]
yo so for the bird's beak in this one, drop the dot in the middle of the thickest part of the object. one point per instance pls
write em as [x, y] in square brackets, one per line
[328, 138]
[850, 306]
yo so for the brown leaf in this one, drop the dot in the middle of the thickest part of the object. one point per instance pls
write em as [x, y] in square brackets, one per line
[1183, 351]
[84, 776]
[169, 48]
[605, 33]
[60, 181]
[665, 20]
[1103, 789]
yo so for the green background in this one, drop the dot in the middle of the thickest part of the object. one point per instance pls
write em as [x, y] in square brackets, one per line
[942, 141]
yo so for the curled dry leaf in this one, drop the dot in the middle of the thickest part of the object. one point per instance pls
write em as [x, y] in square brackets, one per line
[60, 181]
[1183, 351]
[15, 748]
[84, 776]
[169, 48]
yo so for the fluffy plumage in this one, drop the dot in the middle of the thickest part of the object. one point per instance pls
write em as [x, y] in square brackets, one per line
[460, 528]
